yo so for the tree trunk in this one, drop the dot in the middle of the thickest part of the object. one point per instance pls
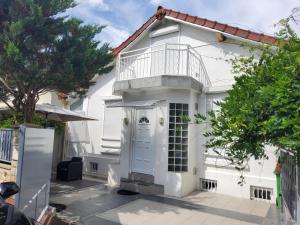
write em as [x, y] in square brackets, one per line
[29, 108]
[28, 115]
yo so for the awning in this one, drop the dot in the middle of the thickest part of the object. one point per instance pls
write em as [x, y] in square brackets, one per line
[57, 113]
[148, 103]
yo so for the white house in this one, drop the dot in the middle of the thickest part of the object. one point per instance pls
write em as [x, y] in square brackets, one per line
[173, 65]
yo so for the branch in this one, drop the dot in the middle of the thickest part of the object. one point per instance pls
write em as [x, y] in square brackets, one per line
[6, 103]
[6, 85]
[43, 91]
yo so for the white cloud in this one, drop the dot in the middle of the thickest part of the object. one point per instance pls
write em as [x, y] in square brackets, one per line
[111, 33]
[123, 17]
[100, 4]
[258, 15]
[156, 2]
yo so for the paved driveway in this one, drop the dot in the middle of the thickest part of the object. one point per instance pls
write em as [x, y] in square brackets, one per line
[102, 206]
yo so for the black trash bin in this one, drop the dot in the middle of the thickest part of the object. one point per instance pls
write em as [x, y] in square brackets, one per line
[70, 170]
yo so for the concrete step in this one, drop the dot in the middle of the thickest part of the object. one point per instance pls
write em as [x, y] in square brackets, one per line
[146, 178]
[142, 187]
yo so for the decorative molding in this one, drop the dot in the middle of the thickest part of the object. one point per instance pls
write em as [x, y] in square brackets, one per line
[110, 139]
[164, 31]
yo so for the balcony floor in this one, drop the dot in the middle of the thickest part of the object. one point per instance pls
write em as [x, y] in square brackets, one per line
[163, 81]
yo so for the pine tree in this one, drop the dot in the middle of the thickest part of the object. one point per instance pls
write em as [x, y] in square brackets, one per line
[42, 50]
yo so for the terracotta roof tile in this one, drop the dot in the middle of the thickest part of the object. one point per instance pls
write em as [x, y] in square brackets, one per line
[210, 24]
[168, 12]
[190, 19]
[268, 39]
[182, 16]
[254, 36]
[242, 33]
[198, 21]
[231, 30]
[220, 26]
[174, 14]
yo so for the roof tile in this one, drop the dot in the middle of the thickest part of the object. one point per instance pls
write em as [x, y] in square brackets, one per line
[190, 19]
[182, 16]
[220, 26]
[200, 21]
[254, 36]
[231, 30]
[174, 14]
[210, 23]
[168, 12]
[268, 40]
[242, 33]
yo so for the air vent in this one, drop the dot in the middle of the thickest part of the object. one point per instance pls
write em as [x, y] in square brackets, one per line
[208, 185]
[93, 167]
[261, 193]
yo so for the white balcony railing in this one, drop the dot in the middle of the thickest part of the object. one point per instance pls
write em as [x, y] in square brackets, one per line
[166, 59]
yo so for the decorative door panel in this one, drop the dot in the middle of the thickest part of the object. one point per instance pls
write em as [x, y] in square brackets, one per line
[143, 141]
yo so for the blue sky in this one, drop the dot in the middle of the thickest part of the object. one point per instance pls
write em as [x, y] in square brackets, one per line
[123, 17]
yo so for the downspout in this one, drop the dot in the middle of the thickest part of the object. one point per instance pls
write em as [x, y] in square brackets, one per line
[278, 188]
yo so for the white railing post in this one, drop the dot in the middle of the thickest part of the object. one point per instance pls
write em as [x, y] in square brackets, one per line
[165, 59]
[187, 60]
[199, 71]
[119, 67]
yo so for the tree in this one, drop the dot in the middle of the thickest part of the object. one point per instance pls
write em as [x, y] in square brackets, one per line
[263, 107]
[42, 51]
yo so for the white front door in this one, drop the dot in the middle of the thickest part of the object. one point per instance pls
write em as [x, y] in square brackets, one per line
[143, 141]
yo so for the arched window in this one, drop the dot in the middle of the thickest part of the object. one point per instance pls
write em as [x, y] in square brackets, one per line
[144, 120]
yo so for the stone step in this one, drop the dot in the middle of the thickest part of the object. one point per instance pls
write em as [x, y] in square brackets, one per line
[141, 177]
[142, 187]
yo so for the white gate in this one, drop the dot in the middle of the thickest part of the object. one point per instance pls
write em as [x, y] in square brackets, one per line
[34, 170]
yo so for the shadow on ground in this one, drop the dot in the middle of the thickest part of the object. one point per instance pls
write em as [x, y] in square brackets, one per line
[91, 203]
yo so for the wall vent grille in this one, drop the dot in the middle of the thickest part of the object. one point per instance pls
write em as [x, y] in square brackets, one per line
[93, 167]
[208, 185]
[261, 193]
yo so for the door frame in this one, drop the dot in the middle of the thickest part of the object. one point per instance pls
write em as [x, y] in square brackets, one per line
[132, 138]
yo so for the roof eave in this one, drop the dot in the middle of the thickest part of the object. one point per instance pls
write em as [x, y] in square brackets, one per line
[227, 30]
[216, 31]
[141, 36]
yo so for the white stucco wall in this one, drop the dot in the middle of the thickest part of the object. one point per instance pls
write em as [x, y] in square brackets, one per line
[92, 147]
[258, 173]
[49, 97]
[215, 56]
[175, 184]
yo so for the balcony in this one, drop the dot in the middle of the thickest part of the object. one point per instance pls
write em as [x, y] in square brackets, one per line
[177, 61]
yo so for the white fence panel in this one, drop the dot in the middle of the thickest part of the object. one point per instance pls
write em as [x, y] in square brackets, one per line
[34, 170]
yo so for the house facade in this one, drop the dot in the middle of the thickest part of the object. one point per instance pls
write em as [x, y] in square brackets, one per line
[170, 69]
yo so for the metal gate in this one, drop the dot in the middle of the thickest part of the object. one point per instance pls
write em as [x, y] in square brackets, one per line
[6, 137]
[288, 182]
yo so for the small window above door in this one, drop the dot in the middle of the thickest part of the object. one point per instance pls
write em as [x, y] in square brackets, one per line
[144, 120]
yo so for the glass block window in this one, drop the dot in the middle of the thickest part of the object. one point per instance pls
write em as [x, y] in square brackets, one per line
[178, 137]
